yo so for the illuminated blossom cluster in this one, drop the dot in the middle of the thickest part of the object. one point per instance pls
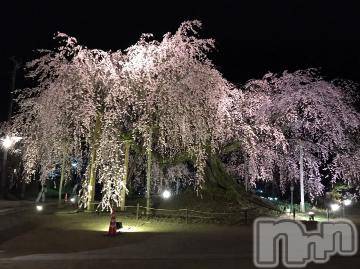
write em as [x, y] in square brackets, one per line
[169, 99]
[299, 110]
[180, 96]
[166, 94]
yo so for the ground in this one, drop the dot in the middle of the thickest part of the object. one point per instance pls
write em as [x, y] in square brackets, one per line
[68, 240]
[80, 241]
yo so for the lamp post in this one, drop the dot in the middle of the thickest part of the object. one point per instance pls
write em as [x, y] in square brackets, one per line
[302, 193]
[292, 197]
[3, 172]
[7, 142]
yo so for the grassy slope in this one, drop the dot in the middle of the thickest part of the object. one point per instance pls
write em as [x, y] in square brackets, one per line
[220, 194]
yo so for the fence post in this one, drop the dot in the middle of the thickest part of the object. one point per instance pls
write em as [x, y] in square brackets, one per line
[328, 214]
[137, 211]
[187, 215]
[294, 213]
[246, 216]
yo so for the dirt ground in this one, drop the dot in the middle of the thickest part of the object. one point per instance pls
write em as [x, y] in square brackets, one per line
[64, 233]
[79, 241]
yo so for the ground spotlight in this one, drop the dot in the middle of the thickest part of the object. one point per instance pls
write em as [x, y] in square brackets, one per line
[311, 215]
[166, 194]
[39, 208]
[334, 207]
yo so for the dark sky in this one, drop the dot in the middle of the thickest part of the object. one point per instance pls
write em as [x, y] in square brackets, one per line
[253, 37]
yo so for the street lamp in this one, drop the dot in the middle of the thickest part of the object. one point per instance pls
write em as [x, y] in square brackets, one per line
[7, 142]
[292, 197]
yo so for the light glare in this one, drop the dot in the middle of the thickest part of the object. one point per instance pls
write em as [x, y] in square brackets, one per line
[347, 202]
[8, 141]
[166, 194]
[335, 207]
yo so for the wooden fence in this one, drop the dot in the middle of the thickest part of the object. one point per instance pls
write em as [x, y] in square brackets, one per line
[187, 214]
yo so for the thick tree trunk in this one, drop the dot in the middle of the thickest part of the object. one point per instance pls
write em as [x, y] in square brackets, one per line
[92, 165]
[218, 178]
[219, 182]
[126, 171]
[42, 194]
[23, 190]
[246, 177]
[177, 186]
[161, 182]
[62, 178]
[148, 172]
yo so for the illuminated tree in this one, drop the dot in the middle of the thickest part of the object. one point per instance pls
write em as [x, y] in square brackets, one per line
[167, 94]
[314, 116]
[67, 109]
[180, 96]
[168, 100]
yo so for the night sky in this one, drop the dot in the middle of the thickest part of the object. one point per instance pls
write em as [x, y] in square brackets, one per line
[252, 37]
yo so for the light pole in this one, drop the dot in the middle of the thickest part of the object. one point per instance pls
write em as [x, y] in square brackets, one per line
[3, 172]
[302, 195]
[292, 197]
[301, 172]
[7, 142]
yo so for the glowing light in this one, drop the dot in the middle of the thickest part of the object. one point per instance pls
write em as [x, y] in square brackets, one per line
[166, 194]
[347, 202]
[72, 200]
[334, 207]
[311, 213]
[39, 207]
[8, 141]
[124, 229]
[127, 230]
